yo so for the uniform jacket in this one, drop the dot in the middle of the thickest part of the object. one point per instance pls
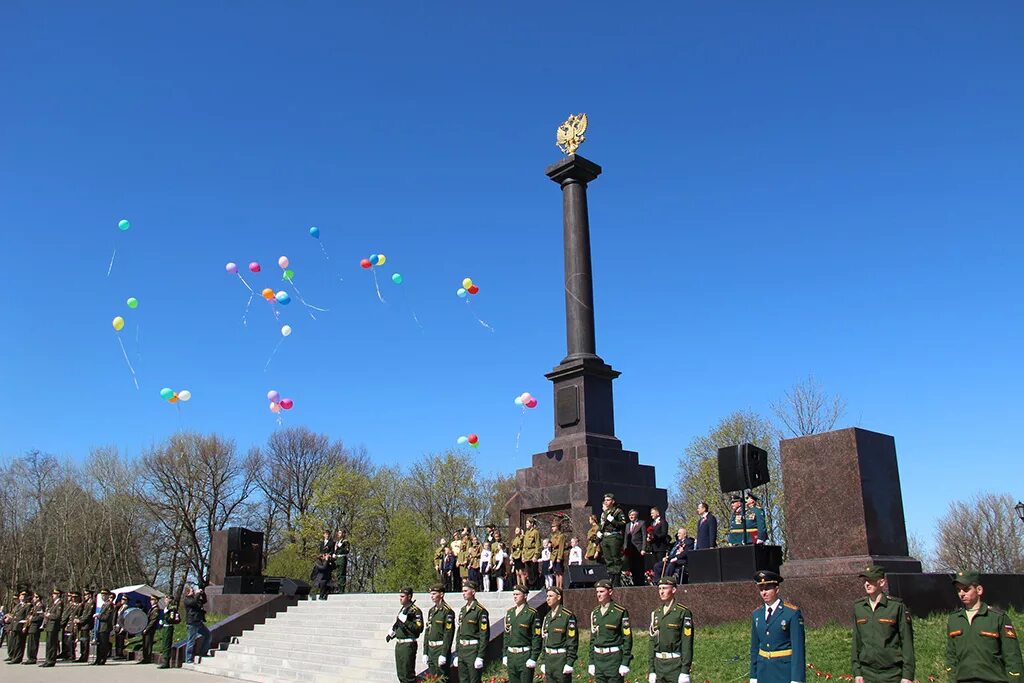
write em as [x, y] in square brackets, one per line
[593, 543]
[86, 615]
[35, 616]
[152, 619]
[707, 532]
[53, 618]
[883, 638]
[985, 649]
[412, 627]
[672, 632]
[557, 547]
[473, 625]
[516, 549]
[777, 647]
[613, 521]
[522, 630]
[105, 618]
[531, 545]
[440, 626]
[559, 631]
[611, 630]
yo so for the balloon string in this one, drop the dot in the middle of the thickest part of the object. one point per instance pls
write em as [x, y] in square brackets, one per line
[274, 353]
[245, 314]
[473, 313]
[522, 418]
[377, 285]
[307, 305]
[328, 257]
[130, 368]
[111, 266]
[245, 283]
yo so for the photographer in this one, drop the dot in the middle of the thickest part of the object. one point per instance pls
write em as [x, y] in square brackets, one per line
[321, 575]
[195, 619]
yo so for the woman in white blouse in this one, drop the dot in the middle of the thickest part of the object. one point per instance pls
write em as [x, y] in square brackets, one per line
[498, 566]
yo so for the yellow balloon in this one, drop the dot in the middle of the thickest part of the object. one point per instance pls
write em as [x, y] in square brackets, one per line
[381, 258]
[118, 323]
[467, 283]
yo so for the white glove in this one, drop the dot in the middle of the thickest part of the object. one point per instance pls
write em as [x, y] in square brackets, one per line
[530, 664]
[753, 680]
[426, 659]
[403, 617]
[611, 517]
[391, 633]
[442, 660]
[684, 678]
[544, 669]
[455, 662]
[504, 661]
[591, 670]
[652, 677]
[623, 669]
[566, 669]
[478, 663]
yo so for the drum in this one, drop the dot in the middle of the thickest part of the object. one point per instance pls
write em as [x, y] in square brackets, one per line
[135, 620]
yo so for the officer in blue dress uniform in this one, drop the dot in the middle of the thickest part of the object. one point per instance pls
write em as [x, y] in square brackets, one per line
[776, 636]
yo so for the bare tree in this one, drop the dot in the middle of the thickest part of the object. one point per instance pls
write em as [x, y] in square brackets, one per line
[983, 534]
[444, 490]
[807, 409]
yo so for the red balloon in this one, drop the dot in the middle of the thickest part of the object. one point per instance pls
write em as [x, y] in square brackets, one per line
[254, 267]
[365, 263]
[473, 438]
[532, 403]
[473, 290]
[286, 403]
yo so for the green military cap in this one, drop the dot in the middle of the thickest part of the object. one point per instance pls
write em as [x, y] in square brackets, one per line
[521, 588]
[967, 578]
[56, 591]
[667, 581]
[556, 590]
[603, 583]
[872, 572]
[437, 588]
[767, 578]
[609, 496]
[406, 591]
[753, 497]
[471, 585]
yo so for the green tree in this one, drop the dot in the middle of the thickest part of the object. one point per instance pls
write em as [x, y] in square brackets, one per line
[408, 557]
[445, 490]
[291, 561]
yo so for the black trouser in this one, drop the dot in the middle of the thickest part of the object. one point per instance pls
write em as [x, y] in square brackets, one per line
[16, 644]
[53, 641]
[31, 647]
[636, 566]
[67, 646]
[83, 646]
[322, 588]
[531, 574]
[119, 639]
[147, 644]
[102, 647]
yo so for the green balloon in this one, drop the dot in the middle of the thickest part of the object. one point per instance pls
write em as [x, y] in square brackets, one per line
[123, 224]
[133, 302]
[288, 274]
[166, 393]
[397, 278]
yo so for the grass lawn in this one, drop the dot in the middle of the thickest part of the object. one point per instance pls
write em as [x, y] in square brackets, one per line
[722, 653]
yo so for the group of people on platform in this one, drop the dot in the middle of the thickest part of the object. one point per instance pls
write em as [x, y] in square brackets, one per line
[332, 556]
[74, 621]
[981, 642]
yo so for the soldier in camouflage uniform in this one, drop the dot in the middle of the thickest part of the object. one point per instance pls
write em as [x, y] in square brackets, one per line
[613, 524]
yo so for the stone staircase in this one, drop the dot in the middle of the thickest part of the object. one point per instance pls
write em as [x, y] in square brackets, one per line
[338, 640]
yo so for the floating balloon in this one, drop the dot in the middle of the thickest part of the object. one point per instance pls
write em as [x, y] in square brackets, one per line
[525, 396]
[473, 290]
[283, 298]
[184, 395]
[166, 393]
[475, 445]
[314, 232]
[283, 262]
[123, 224]
[173, 399]
[381, 258]
[275, 407]
[288, 274]
[254, 267]
[268, 294]
[118, 323]
[467, 283]
[232, 268]
[373, 259]
[365, 263]
[286, 403]
[462, 441]
[397, 278]
[532, 403]
[461, 292]
[473, 438]
[132, 302]
[286, 330]
[518, 400]
[273, 396]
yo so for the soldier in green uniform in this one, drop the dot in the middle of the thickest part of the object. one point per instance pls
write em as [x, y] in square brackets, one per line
[17, 625]
[611, 638]
[105, 620]
[531, 552]
[83, 624]
[53, 620]
[521, 644]
[557, 552]
[560, 640]
[739, 529]
[67, 626]
[438, 634]
[671, 637]
[473, 636]
[168, 619]
[883, 636]
[407, 628]
[516, 554]
[33, 624]
[612, 525]
[462, 560]
[149, 632]
[341, 551]
[981, 644]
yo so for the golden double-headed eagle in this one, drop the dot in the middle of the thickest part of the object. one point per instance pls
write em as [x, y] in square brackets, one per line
[570, 133]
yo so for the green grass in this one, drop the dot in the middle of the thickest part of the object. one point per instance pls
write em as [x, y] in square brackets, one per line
[722, 653]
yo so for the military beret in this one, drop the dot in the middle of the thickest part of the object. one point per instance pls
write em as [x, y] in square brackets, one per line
[437, 588]
[667, 581]
[609, 496]
[603, 583]
[521, 588]
[967, 578]
[471, 585]
[406, 591]
[556, 590]
[767, 578]
[872, 572]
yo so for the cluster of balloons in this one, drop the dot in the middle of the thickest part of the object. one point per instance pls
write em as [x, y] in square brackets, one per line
[374, 260]
[467, 288]
[526, 400]
[473, 440]
[277, 404]
[118, 321]
[172, 396]
[282, 297]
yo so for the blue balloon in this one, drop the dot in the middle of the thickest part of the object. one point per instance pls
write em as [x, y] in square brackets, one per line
[314, 232]
[462, 293]
[462, 441]
[283, 298]
[373, 259]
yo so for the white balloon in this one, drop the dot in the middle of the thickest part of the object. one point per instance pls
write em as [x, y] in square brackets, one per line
[184, 395]
[286, 330]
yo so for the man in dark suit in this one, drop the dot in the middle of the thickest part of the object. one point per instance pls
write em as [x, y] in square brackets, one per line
[636, 534]
[149, 633]
[321, 575]
[326, 544]
[657, 538]
[707, 528]
[675, 563]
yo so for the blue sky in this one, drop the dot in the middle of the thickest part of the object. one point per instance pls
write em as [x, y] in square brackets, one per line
[787, 189]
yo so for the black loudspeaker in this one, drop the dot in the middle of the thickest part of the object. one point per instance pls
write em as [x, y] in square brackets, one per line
[245, 552]
[586, 575]
[742, 562]
[742, 467]
[235, 585]
[703, 566]
[274, 585]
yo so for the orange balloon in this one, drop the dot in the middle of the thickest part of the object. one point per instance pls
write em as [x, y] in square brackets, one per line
[268, 293]
[173, 399]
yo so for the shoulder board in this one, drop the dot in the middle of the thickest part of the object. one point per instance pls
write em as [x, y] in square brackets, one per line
[893, 598]
[529, 609]
[790, 605]
[567, 611]
[996, 610]
[682, 606]
[860, 601]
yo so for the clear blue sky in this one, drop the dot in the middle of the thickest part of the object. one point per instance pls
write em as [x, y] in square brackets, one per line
[789, 189]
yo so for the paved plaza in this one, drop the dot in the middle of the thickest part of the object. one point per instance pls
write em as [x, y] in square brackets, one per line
[111, 672]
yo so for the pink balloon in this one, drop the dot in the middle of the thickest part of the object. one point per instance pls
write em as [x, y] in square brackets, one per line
[532, 403]
[283, 261]
[254, 267]
[286, 403]
[231, 268]
[275, 407]
[273, 396]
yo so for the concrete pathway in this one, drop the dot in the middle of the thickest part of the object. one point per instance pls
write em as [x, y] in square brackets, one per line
[111, 672]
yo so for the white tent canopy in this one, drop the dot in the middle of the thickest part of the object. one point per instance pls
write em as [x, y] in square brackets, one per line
[141, 589]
